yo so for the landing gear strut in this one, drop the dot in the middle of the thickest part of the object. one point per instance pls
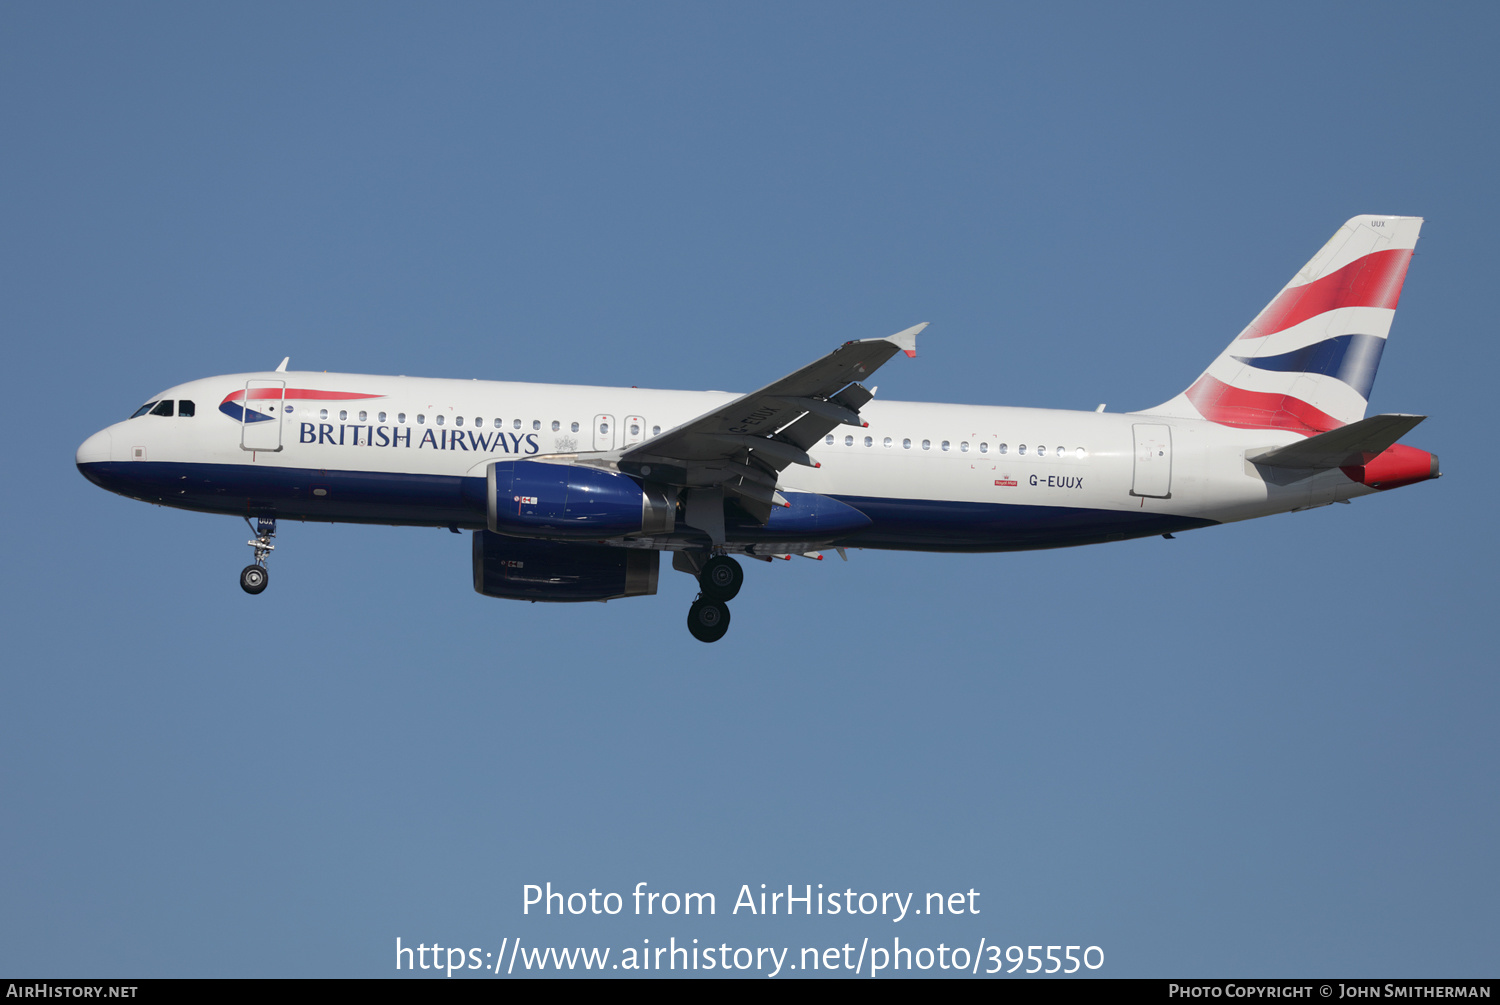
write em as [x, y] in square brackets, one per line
[254, 578]
[720, 580]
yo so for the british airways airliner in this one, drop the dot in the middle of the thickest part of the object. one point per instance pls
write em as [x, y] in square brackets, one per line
[573, 493]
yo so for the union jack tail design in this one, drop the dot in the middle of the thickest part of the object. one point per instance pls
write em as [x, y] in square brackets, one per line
[1308, 360]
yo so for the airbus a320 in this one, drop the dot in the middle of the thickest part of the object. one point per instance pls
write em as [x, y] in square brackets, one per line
[573, 493]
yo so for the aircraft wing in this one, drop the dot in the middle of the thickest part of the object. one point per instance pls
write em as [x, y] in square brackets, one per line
[744, 446]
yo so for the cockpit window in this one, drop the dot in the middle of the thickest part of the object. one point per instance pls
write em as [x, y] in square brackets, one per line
[142, 410]
[186, 409]
[163, 407]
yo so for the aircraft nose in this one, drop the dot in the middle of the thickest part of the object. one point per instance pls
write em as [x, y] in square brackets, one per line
[95, 449]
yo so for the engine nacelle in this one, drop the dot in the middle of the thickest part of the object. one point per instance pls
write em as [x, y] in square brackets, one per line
[537, 499]
[560, 571]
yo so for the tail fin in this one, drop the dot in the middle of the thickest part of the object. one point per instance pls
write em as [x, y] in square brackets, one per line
[1308, 360]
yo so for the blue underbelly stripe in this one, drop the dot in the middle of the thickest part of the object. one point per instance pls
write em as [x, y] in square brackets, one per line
[943, 525]
[453, 500]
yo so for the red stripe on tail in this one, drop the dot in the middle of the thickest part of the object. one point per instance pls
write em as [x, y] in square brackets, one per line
[1372, 281]
[1234, 406]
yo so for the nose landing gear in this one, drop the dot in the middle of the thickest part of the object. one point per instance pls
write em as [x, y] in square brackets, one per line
[720, 581]
[255, 578]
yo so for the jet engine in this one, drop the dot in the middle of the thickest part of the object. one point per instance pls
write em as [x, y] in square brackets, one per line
[559, 571]
[537, 499]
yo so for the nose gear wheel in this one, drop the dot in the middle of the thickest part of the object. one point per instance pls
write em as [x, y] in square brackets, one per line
[254, 578]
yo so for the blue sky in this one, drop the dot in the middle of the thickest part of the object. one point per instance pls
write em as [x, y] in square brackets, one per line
[1261, 749]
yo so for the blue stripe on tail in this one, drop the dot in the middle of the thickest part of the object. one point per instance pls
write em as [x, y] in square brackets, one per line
[1351, 358]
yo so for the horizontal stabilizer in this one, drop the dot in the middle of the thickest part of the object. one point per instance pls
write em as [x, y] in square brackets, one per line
[1355, 444]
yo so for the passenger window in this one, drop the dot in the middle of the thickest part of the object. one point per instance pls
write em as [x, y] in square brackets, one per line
[421, 419]
[163, 407]
[575, 427]
[1041, 451]
[906, 444]
[655, 430]
[1079, 453]
[926, 444]
[1021, 449]
[887, 441]
[401, 418]
[186, 409]
[516, 424]
[459, 421]
[536, 423]
[142, 410]
[440, 420]
[379, 418]
[604, 427]
[828, 439]
[343, 414]
[363, 416]
[498, 423]
[848, 441]
[556, 425]
[964, 447]
[635, 429]
[1061, 452]
[984, 448]
[945, 444]
[869, 441]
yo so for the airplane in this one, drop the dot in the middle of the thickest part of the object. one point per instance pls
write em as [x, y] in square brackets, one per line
[572, 493]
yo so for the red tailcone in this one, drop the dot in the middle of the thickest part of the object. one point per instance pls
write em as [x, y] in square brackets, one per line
[1394, 467]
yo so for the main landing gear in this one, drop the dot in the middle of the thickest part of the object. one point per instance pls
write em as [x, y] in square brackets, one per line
[720, 581]
[254, 578]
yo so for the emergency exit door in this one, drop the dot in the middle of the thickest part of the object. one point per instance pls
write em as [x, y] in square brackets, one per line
[604, 432]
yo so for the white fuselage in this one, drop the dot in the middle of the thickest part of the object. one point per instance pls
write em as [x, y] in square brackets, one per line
[917, 465]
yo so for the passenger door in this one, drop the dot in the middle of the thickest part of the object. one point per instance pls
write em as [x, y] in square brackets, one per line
[260, 414]
[1153, 461]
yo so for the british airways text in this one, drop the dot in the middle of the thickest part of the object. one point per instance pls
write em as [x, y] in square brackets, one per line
[341, 435]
